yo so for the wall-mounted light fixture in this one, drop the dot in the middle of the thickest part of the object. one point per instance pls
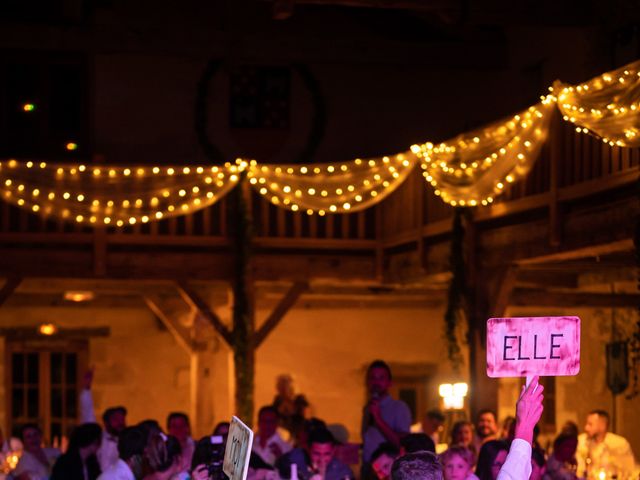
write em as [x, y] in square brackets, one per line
[453, 395]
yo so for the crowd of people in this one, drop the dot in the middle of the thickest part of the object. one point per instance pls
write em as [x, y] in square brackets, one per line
[289, 445]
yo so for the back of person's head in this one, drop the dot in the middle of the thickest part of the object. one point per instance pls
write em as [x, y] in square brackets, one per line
[84, 435]
[416, 442]
[562, 438]
[131, 442]
[463, 452]
[222, 428]
[436, 415]
[570, 428]
[386, 448]
[486, 457]
[417, 466]
[162, 451]
[380, 364]
[321, 435]
[268, 409]
[149, 427]
[177, 415]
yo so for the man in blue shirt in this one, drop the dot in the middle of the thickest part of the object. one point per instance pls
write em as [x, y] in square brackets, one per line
[383, 418]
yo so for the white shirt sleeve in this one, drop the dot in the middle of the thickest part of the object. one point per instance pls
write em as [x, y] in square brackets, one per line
[517, 466]
[87, 414]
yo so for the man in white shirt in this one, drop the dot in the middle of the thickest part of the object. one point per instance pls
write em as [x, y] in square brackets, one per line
[114, 419]
[604, 449]
[268, 444]
[425, 465]
[131, 446]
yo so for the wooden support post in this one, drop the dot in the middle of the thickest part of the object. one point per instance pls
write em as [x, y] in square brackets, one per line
[196, 302]
[501, 299]
[180, 333]
[100, 252]
[279, 312]
[379, 229]
[555, 153]
[484, 389]
[421, 190]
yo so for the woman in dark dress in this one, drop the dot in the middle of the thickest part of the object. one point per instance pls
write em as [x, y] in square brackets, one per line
[80, 462]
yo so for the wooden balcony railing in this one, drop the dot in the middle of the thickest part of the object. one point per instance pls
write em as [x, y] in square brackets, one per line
[571, 166]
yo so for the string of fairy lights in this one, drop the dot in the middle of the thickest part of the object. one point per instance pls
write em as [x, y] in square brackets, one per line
[468, 170]
[332, 188]
[607, 106]
[114, 195]
[474, 167]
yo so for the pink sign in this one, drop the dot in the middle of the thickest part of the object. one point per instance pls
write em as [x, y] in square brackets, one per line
[547, 346]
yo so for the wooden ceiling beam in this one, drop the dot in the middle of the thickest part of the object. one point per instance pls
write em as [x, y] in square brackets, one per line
[195, 301]
[279, 312]
[8, 288]
[179, 332]
[548, 298]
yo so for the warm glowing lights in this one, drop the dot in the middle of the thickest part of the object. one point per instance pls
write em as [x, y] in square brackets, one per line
[29, 107]
[468, 170]
[93, 205]
[453, 395]
[346, 185]
[79, 295]
[47, 329]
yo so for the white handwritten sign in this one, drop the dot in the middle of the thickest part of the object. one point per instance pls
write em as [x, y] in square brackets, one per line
[238, 451]
[547, 346]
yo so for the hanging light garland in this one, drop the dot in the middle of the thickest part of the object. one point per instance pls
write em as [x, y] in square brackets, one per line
[468, 170]
[607, 106]
[331, 188]
[114, 195]
[474, 167]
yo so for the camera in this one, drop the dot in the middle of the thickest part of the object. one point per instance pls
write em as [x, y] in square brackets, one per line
[216, 458]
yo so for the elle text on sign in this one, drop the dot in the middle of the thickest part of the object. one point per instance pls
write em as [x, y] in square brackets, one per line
[522, 346]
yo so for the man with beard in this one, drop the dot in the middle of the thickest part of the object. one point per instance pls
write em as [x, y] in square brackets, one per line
[114, 419]
[383, 418]
[605, 450]
[486, 428]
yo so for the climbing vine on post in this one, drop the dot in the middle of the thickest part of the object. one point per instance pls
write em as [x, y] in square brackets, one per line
[457, 290]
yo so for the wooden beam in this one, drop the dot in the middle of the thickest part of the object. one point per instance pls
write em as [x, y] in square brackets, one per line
[592, 251]
[195, 301]
[8, 288]
[546, 298]
[555, 276]
[501, 300]
[279, 312]
[28, 333]
[100, 252]
[180, 333]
